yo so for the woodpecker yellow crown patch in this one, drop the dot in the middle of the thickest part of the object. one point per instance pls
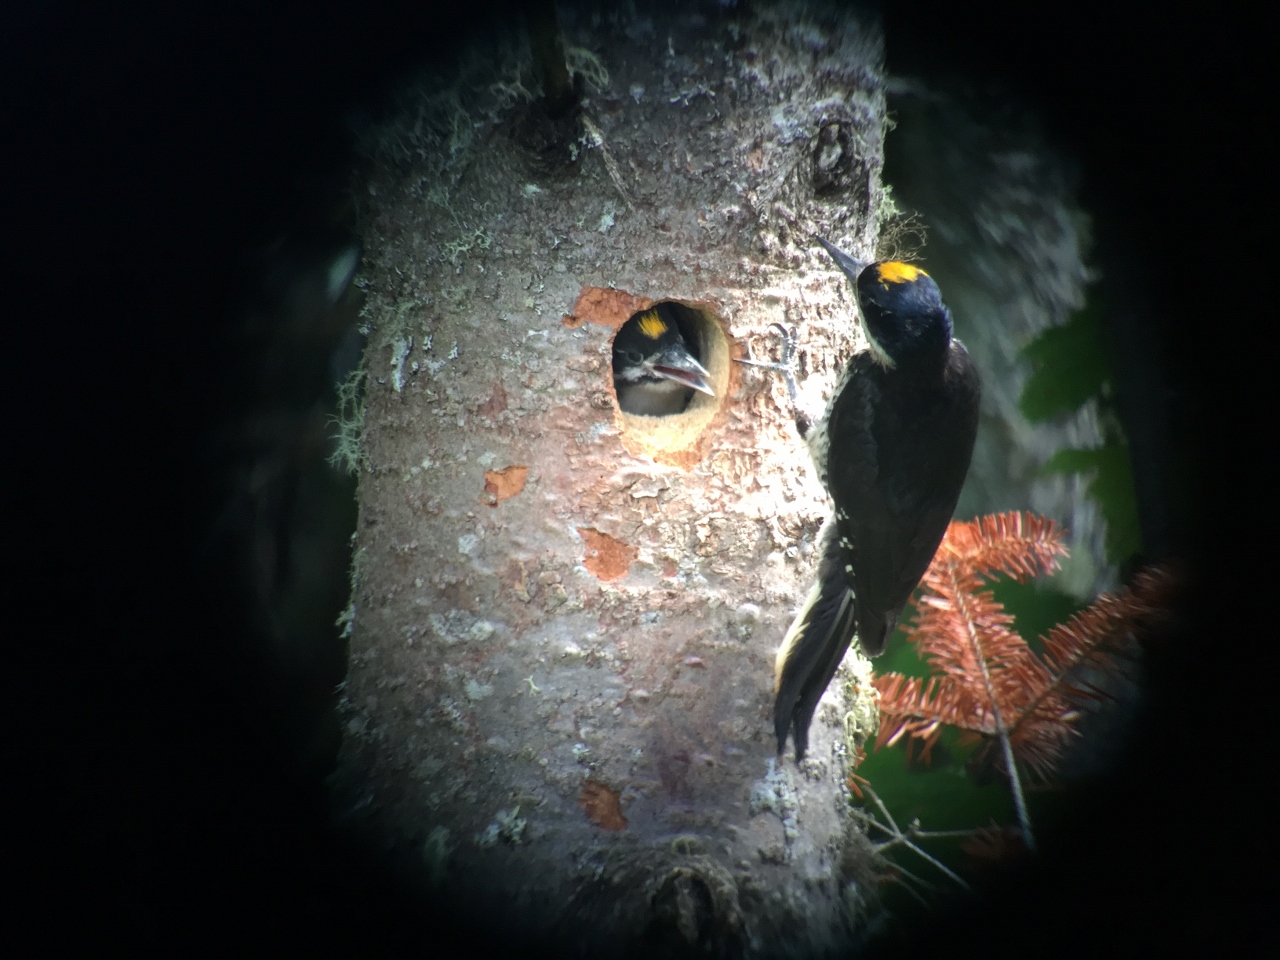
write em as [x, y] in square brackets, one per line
[895, 271]
[652, 325]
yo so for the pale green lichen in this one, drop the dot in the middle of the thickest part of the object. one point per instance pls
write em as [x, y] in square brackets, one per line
[400, 348]
[477, 239]
[774, 793]
[348, 452]
[436, 126]
[397, 334]
[861, 705]
[582, 61]
[435, 129]
[347, 618]
[346, 621]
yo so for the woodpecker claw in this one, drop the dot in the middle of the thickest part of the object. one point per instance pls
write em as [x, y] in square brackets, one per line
[786, 362]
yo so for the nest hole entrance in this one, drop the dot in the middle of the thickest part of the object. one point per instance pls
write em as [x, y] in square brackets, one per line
[670, 368]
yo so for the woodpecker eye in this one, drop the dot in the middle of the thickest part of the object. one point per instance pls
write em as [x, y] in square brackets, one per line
[634, 356]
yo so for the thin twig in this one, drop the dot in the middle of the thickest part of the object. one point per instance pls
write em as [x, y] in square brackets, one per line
[901, 838]
[940, 834]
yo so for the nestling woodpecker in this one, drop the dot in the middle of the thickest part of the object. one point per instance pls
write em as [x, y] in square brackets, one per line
[654, 373]
[892, 450]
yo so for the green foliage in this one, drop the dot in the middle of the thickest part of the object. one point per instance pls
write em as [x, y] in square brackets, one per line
[1069, 367]
[941, 794]
[900, 656]
[1111, 487]
[1035, 607]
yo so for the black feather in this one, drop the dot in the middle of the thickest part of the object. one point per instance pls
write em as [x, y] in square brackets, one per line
[899, 437]
[910, 435]
[814, 647]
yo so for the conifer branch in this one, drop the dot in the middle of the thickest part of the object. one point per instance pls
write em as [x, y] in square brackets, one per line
[987, 681]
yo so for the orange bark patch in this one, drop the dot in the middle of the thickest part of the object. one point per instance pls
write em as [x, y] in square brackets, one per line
[608, 308]
[505, 483]
[602, 806]
[496, 403]
[607, 557]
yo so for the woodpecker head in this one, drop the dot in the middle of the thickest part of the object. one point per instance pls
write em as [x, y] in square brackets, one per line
[650, 352]
[902, 310]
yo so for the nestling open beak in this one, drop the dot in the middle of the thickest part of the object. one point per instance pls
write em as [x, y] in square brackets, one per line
[676, 363]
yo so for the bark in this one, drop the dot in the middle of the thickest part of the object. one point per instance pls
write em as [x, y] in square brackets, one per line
[563, 618]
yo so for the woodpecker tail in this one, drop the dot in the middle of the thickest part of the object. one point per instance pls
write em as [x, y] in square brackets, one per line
[813, 647]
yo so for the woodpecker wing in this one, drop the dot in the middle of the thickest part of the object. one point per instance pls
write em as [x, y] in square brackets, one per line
[922, 430]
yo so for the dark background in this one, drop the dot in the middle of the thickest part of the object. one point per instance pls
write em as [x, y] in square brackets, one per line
[147, 149]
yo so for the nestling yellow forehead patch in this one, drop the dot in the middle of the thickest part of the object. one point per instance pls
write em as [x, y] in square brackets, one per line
[652, 325]
[895, 271]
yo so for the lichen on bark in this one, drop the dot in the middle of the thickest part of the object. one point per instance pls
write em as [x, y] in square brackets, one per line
[587, 653]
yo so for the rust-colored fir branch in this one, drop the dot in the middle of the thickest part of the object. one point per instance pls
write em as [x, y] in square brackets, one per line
[964, 634]
[987, 681]
[1099, 641]
[1017, 544]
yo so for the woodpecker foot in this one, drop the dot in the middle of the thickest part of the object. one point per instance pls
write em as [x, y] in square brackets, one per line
[786, 364]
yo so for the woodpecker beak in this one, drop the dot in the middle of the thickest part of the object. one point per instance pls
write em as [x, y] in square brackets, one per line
[851, 268]
[676, 363]
[846, 263]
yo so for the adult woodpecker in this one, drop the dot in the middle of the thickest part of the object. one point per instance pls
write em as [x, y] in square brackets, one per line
[892, 450]
[654, 373]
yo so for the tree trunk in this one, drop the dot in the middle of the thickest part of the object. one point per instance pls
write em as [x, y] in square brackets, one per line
[564, 618]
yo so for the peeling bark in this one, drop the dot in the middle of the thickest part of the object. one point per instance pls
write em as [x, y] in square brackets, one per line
[565, 617]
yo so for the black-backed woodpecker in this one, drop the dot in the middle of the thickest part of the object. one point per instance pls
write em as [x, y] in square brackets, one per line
[892, 450]
[654, 373]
